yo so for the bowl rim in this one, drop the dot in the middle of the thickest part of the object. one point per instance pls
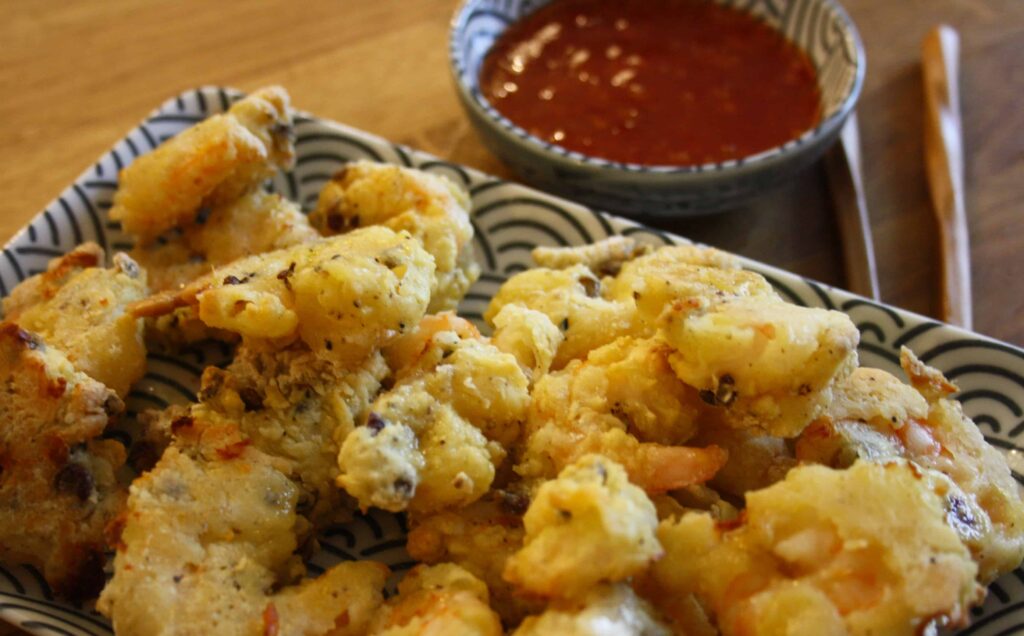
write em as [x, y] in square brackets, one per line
[825, 129]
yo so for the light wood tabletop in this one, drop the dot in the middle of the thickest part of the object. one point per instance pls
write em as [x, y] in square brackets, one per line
[77, 76]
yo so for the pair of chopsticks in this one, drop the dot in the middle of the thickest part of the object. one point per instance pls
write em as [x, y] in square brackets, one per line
[944, 166]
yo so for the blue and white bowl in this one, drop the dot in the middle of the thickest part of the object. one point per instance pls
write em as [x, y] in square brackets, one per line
[820, 27]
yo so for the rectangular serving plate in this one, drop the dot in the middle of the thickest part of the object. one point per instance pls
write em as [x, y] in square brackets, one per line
[510, 220]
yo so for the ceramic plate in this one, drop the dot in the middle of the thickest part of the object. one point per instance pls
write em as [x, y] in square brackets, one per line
[510, 220]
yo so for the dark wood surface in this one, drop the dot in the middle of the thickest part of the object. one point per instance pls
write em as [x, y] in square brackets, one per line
[76, 77]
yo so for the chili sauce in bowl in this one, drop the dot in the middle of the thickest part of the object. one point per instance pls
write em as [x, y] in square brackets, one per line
[654, 82]
[656, 107]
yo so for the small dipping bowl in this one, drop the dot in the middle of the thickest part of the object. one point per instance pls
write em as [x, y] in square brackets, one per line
[821, 28]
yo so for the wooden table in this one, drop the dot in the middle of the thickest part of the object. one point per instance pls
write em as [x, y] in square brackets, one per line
[75, 77]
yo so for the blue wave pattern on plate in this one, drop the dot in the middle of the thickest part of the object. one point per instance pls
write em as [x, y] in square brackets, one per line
[509, 220]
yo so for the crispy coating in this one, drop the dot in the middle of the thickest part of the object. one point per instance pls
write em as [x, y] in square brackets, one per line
[587, 526]
[604, 257]
[865, 550]
[36, 290]
[877, 417]
[294, 405]
[433, 440]
[638, 287]
[486, 385]
[209, 532]
[530, 336]
[57, 477]
[79, 307]
[624, 402]
[686, 277]
[344, 296]
[438, 600]
[766, 364]
[479, 538]
[430, 207]
[571, 299]
[423, 457]
[208, 165]
[606, 609]
[862, 421]
[257, 222]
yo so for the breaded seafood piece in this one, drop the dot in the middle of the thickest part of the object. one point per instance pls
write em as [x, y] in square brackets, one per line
[57, 477]
[207, 545]
[257, 222]
[877, 417]
[36, 290]
[639, 284]
[606, 609]
[530, 336]
[486, 387]
[625, 402]
[604, 257]
[437, 600]
[866, 550]
[572, 299]
[208, 165]
[765, 364]
[590, 525]
[479, 538]
[295, 405]
[686, 277]
[430, 207]
[344, 296]
[434, 440]
[868, 414]
[80, 307]
[974, 465]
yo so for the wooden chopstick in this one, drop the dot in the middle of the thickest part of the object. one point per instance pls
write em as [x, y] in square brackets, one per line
[843, 166]
[944, 165]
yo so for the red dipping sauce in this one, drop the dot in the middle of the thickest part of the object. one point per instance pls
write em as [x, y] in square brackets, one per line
[655, 82]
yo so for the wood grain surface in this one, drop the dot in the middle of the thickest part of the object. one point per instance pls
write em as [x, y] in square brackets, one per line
[76, 76]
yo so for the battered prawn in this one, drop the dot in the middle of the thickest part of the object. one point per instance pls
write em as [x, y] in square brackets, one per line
[572, 300]
[624, 402]
[587, 526]
[437, 600]
[682, 278]
[207, 166]
[343, 296]
[762, 363]
[293, 405]
[637, 287]
[877, 417]
[479, 538]
[604, 257]
[257, 222]
[605, 609]
[58, 486]
[80, 307]
[434, 440]
[209, 532]
[430, 207]
[530, 336]
[865, 550]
